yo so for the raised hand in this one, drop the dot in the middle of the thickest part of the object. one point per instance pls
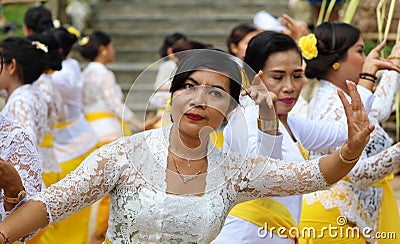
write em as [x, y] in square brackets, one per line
[294, 28]
[373, 62]
[262, 97]
[359, 127]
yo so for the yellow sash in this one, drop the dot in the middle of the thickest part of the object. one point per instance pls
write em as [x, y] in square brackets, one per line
[102, 115]
[47, 141]
[267, 213]
[217, 138]
[62, 125]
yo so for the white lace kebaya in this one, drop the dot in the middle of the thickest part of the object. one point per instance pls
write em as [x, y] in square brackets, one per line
[18, 146]
[133, 171]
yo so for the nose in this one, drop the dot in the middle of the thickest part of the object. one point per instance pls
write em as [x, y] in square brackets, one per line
[288, 85]
[199, 98]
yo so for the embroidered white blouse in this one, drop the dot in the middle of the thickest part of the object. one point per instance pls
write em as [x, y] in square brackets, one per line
[26, 107]
[133, 171]
[76, 137]
[18, 146]
[102, 94]
[57, 112]
[362, 202]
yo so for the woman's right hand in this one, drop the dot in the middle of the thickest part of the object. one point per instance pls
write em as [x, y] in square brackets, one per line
[394, 56]
[373, 62]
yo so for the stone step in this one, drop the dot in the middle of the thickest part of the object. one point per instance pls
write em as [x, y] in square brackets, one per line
[161, 24]
[185, 11]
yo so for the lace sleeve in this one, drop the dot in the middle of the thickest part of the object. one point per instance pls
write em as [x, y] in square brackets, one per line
[18, 111]
[385, 95]
[19, 148]
[113, 94]
[370, 170]
[97, 175]
[270, 177]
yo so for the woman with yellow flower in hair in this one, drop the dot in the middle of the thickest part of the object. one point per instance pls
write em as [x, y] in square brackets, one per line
[364, 198]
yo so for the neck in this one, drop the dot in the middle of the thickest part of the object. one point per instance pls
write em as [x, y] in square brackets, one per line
[339, 82]
[187, 147]
[13, 86]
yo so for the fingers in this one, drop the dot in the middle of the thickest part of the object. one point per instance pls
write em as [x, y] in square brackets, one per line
[380, 46]
[356, 103]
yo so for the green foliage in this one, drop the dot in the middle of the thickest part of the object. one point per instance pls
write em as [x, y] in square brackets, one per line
[14, 13]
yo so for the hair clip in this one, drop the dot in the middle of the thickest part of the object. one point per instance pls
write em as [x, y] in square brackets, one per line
[84, 41]
[40, 46]
[72, 30]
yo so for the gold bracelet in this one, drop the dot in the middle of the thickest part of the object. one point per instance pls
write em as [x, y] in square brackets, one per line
[393, 57]
[346, 161]
[267, 125]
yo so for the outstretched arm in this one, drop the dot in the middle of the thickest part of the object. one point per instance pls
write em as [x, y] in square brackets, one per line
[271, 177]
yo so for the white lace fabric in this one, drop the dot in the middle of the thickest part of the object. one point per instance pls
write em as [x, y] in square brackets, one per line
[358, 200]
[26, 107]
[133, 171]
[101, 92]
[18, 146]
[56, 112]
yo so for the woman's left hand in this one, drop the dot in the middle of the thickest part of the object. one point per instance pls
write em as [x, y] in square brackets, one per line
[359, 127]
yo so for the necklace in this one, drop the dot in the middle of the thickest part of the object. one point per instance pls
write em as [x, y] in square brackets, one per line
[185, 178]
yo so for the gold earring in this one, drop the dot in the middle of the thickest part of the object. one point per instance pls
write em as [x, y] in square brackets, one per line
[336, 66]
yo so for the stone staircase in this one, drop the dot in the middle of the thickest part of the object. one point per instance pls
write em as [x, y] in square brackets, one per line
[138, 27]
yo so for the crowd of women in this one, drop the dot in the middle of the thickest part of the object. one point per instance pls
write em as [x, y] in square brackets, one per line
[234, 164]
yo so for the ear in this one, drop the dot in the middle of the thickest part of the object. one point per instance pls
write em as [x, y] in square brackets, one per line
[12, 67]
[102, 50]
[233, 48]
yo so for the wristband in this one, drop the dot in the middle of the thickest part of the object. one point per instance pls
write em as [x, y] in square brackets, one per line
[5, 237]
[347, 161]
[368, 76]
[267, 125]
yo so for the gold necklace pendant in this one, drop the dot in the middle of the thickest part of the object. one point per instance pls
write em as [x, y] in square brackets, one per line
[185, 178]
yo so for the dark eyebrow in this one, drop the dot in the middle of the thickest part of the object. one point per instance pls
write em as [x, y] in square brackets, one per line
[197, 83]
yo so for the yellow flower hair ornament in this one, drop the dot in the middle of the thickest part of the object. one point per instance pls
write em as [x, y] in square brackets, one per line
[72, 30]
[168, 107]
[308, 46]
[84, 41]
[40, 46]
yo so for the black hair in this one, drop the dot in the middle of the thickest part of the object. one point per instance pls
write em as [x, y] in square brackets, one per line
[65, 40]
[215, 60]
[89, 45]
[30, 59]
[333, 41]
[169, 41]
[54, 54]
[38, 19]
[263, 45]
[237, 34]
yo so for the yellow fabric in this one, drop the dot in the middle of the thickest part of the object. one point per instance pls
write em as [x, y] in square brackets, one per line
[106, 241]
[217, 138]
[101, 225]
[47, 141]
[102, 115]
[389, 218]
[265, 212]
[304, 152]
[63, 125]
[318, 217]
[73, 229]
